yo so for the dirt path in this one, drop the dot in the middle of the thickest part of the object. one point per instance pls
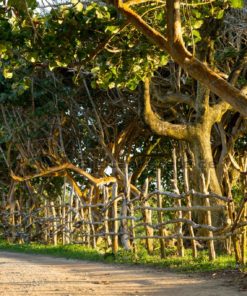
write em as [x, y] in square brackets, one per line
[33, 275]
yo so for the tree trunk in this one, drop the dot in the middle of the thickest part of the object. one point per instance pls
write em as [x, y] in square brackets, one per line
[204, 162]
[204, 165]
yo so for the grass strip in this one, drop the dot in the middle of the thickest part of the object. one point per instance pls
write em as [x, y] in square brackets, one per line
[171, 262]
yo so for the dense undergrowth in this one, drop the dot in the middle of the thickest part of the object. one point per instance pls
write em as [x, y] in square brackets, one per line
[171, 262]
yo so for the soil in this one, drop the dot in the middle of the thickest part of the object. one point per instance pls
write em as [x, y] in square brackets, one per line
[37, 275]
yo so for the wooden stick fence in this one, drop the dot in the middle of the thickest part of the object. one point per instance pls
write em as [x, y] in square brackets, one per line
[115, 218]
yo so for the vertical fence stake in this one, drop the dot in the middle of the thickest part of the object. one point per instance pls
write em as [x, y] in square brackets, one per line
[188, 200]
[180, 245]
[46, 219]
[90, 219]
[160, 218]
[54, 223]
[115, 215]
[208, 219]
[147, 216]
[244, 237]
[124, 211]
[106, 217]
[64, 238]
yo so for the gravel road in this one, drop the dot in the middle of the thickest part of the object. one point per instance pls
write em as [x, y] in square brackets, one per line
[36, 275]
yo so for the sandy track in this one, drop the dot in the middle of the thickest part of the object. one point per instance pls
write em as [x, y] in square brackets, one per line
[34, 275]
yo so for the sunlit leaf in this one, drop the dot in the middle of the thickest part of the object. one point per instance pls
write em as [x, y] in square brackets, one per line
[79, 7]
[7, 73]
[237, 3]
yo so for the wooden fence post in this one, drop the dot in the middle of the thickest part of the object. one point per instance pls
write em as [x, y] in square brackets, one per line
[124, 211]
[160, 218]
[59, 214]
[114, 216]
[46, 219]
[106, 218]
[19, 220]
[244, 237]
[188, 200]
[208, 219]
[147, 217]
[180, 245]
[244, 218]
[236, 238]
[91, 219]
[64, 234]
[54, 222]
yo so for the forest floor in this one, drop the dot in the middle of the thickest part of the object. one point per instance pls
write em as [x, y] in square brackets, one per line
[38, 275]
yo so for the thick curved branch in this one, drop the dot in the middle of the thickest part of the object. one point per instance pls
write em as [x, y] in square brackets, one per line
[178, 52]
[160, 127]
[66, 166]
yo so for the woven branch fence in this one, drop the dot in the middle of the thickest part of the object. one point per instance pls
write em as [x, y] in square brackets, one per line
[112, 216]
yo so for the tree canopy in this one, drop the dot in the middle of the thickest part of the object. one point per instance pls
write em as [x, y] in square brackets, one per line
[89, 85]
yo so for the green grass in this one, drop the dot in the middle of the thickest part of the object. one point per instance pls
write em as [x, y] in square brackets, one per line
[172, 262]
[185, 264]
[68, 251]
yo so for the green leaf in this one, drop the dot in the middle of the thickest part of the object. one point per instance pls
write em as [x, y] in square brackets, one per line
[237, 3]
[112, 29]
[196, 35]
[99, 14]
[3, 48]
[220, 14]
[79, 7]
[197, 24]
[95, 70]
[160, 16]
[112, 84]
[136, 68]
[7, 73]
[163, 60]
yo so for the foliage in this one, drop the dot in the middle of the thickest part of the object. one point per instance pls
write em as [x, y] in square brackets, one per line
[237, 3]
[71, 90]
